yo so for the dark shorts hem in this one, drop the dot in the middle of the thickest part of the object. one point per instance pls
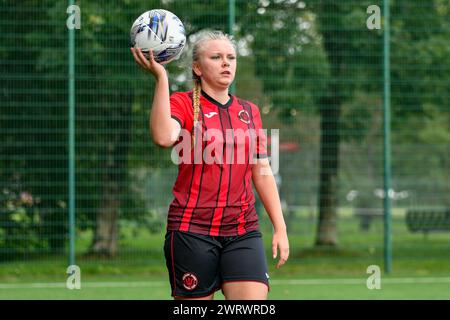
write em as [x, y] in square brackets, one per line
[247, 280]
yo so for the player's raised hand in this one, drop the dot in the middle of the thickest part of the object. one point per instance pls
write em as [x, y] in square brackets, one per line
[149, 64]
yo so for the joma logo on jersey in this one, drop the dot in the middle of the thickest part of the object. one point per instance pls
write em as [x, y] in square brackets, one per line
[209, 115]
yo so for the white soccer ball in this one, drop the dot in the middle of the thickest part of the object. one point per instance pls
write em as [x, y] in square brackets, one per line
[161, 31]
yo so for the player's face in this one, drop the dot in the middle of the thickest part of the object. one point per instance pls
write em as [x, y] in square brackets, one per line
[217, 63]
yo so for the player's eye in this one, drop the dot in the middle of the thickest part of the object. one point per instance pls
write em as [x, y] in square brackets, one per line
[231, 57]
[215, 57]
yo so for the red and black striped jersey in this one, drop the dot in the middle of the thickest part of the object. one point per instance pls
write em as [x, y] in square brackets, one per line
[216, 197]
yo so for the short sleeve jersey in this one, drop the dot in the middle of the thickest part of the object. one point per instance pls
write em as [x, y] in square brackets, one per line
[216, 197]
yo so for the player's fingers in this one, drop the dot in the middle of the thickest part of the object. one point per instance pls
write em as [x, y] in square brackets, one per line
[284, 254]
[152, 60]
[151, 56]
[280, 263]
[144, 62]
[137, 58]
[133, 52]
[274, 249]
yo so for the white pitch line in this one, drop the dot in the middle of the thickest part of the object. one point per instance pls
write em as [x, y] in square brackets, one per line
[84, 284]
[290, 282]
[360, 281]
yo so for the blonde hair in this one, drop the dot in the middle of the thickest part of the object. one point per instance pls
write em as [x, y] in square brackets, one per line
[200, 39]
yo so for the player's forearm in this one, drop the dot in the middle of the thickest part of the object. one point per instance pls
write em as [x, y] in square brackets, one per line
[267, 190]
[160, 120]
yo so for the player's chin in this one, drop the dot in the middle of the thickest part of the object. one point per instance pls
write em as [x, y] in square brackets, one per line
[226, 82]
[225, 85]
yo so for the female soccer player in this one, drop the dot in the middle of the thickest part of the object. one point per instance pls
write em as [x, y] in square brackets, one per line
[213, 240]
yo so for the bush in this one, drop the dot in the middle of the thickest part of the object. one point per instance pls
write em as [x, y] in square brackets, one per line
[20, 225]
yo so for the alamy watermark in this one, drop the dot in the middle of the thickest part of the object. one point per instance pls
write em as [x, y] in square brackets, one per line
[74, 19]
[74, 278]
[374, 20]
[374, 280]
[238, 146]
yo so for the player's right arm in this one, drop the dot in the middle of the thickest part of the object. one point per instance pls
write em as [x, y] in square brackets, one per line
[163, 128]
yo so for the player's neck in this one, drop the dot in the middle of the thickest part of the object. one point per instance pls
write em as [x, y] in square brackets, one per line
[220, 95]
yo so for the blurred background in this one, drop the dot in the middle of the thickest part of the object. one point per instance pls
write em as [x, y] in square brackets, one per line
[315, 70]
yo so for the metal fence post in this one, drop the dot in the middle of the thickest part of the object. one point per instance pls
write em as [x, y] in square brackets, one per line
[386, 143]
[71, 142]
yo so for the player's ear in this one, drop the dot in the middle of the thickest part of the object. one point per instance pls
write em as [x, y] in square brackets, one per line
[196, 69]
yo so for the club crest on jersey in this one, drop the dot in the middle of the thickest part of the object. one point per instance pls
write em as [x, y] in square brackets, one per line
[244, 116]
[190, 281]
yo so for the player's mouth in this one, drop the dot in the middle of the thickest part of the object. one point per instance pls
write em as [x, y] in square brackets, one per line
[226, 73]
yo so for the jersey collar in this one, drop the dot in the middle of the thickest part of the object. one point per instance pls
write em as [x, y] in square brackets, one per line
[217, 103]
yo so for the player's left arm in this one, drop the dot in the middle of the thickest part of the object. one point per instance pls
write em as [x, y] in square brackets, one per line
[266, 187]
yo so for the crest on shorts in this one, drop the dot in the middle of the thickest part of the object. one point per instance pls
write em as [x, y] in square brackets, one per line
[189, 281]
[244, 116]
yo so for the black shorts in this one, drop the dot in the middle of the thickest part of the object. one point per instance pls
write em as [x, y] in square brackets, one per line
[199, 264]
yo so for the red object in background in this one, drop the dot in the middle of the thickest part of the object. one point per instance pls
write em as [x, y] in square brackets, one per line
[286, 146]
[289, 146]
